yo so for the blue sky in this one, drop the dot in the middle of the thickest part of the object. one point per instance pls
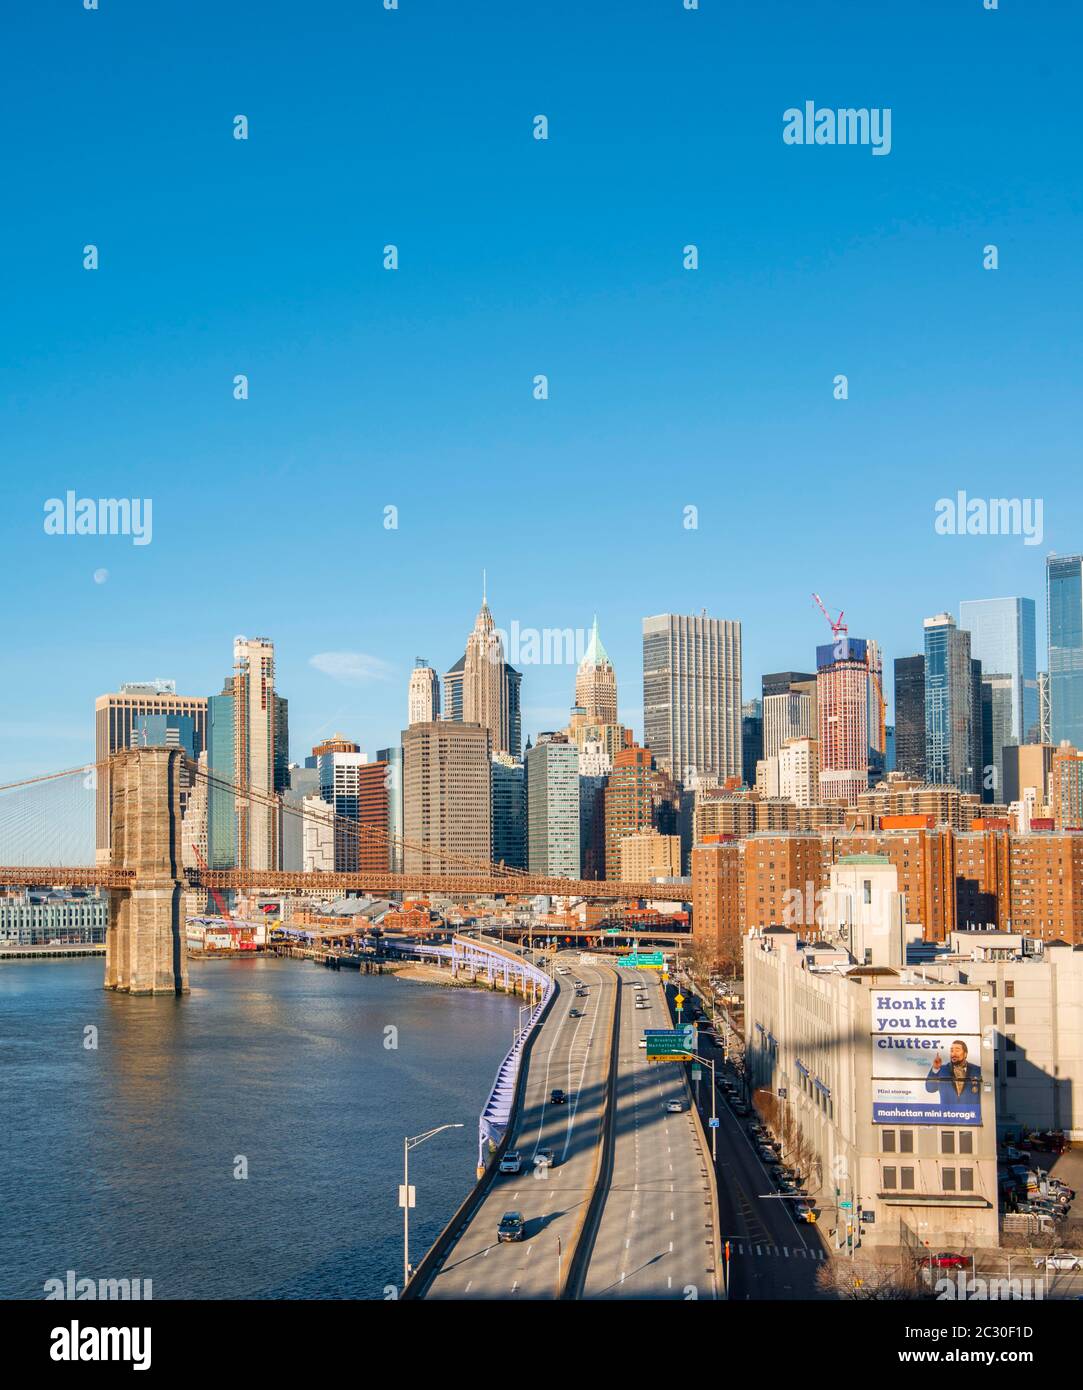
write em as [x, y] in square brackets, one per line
[668, 388]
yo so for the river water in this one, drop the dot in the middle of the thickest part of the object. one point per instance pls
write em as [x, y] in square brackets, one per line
[121, 1160]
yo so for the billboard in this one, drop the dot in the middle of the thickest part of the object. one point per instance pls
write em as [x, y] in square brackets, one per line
[926, 1057]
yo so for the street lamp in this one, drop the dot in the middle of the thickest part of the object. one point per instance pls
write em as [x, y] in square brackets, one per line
[407, 1194]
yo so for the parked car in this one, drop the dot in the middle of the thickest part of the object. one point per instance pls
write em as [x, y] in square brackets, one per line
[511, 1162]
[1058, 1262]
[557, 1097]
[511, 1226]
[948, 1259]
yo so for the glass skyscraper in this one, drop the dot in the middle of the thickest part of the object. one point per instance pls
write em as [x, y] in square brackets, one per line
[1002, 638]
[221, 805]
[1064, 616]
[950, 753]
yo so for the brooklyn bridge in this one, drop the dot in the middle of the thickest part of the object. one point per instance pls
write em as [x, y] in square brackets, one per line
[148, 876]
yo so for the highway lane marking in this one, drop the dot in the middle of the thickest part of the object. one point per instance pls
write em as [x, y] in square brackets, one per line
[574, 1108]
[468, 1286]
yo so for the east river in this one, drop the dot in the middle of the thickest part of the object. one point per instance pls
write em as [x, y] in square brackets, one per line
[244, 1141]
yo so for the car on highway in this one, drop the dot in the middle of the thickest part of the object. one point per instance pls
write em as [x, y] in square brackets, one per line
[557, 1096]
[511, 1226]
[740, 1108]
[804, 1211]
[1063, 1261]
[511, 1162]
[675, 1107]
[575, 1013]
[949, 1259]
[642, 1004]
[545, 1158]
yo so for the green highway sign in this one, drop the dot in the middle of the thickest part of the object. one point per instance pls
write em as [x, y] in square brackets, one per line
[670, 1042]
[642, 960]
[611, 931]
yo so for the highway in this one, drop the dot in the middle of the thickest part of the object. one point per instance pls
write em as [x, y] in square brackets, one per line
[571, 1054]
[655, 1236]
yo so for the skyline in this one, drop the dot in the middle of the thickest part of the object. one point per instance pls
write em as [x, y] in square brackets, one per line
[392, 681]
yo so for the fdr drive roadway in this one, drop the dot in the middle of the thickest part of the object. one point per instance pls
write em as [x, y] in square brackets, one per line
[626, 1210]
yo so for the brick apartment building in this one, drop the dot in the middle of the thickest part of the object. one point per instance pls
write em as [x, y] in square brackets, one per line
[951, 880]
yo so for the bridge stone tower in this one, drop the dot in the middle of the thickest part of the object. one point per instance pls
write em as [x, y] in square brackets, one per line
[145, 951]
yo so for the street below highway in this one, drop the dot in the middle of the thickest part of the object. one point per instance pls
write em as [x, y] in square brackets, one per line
[772, 1255]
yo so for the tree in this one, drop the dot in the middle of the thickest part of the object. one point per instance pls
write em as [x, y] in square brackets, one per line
[866, 1280]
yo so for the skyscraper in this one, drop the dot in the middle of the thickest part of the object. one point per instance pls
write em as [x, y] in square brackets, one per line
[552, 791]
[485, 692]
[1002, 638]
[390, 759]
[910, 716]
[596, 682]
[509, 812]
[751, 741]
[424, 694]
[1064, 621]
[483, 688]
[785, 717]
[447, 796]
[260, 751]
[996, 733]
[338, 763]
[115, 720]
[221, 767]
[692, 694]
[949, 706]
[627, 801]
[842, 706]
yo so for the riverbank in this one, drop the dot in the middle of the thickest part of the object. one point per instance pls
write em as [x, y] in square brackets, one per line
[418, 972]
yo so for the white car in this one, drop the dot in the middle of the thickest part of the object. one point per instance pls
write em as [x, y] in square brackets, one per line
[511, 1163]
[1058, 1262]
[675, 1107]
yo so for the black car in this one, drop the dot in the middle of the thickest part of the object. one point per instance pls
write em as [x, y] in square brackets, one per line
[557, 1097]
[575, 1013]
[511, 1226]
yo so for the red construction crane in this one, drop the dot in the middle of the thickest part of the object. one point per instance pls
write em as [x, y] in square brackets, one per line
[837, 625]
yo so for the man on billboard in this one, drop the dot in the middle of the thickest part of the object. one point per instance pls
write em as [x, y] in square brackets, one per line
[963, 1076]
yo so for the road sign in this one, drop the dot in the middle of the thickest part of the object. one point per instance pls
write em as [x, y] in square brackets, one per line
[611, 931]
[671, 1042]
[678, 999]
[407, 1201]
[697, 1073]
[642, 960]
[846, 1206]
[712, 1123]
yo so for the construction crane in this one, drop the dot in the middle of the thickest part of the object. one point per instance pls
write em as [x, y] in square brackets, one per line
[836, 624]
